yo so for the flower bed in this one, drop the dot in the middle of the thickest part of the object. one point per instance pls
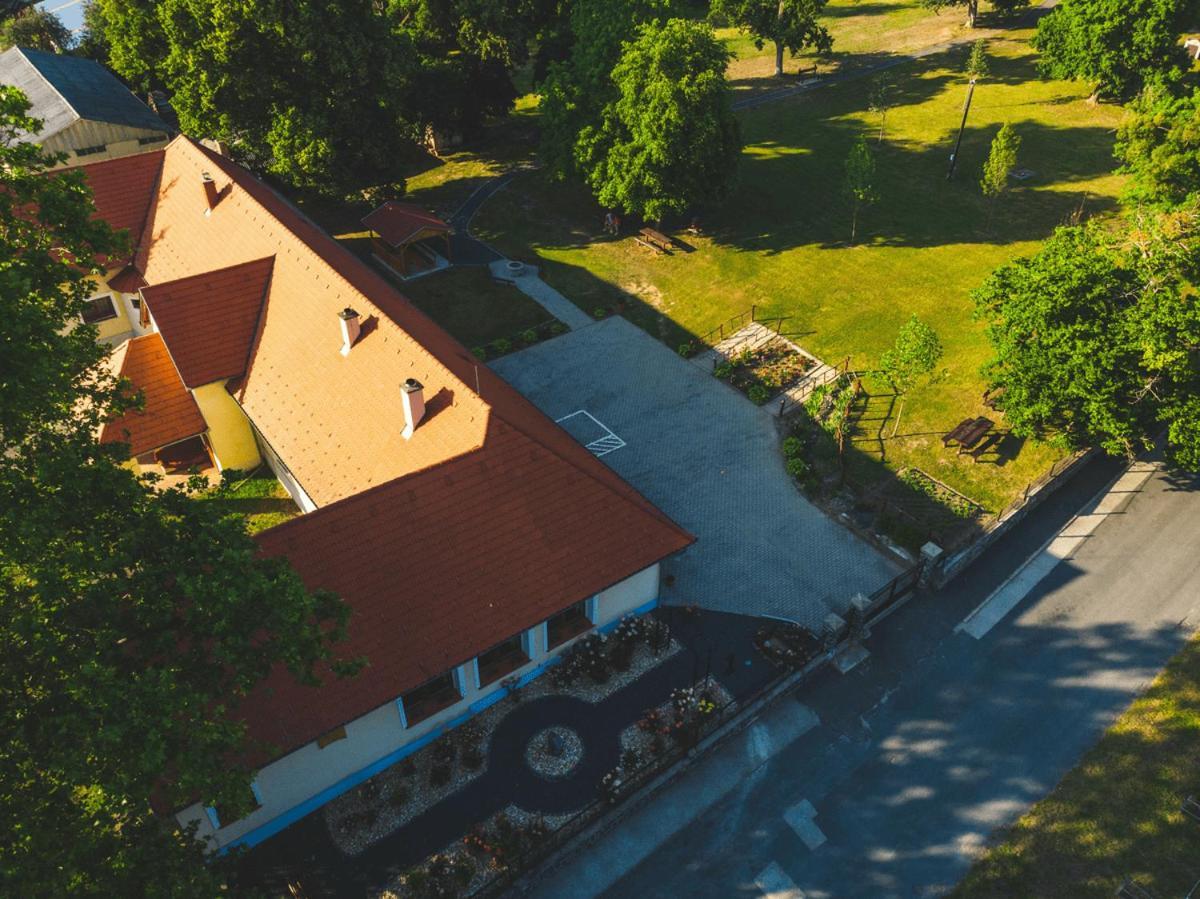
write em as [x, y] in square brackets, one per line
[678, 722]
[788, 645]
[554, 752]
[592, 669]
[502, 346]
[764, 370]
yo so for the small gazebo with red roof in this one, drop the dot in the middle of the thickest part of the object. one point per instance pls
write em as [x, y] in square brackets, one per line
[397, 230]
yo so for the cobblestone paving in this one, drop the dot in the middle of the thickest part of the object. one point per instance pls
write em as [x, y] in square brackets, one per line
[710, 459]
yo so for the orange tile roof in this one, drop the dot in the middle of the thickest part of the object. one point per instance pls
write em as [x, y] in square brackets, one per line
[398, 223]
[169, 413]
[488, 520]
[209, 320]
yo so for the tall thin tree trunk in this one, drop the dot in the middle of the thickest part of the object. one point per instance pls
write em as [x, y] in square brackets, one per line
[854, 223]
[778, 59]
[972, 12]
[882, 123]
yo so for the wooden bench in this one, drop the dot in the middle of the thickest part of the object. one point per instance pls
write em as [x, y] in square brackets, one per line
[968, 432]
[657, 239]
[649, 246]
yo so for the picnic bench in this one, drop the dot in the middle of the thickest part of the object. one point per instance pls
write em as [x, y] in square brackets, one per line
[968, 432]
[657, 240]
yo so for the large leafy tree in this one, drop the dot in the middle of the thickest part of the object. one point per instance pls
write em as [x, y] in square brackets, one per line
[1118, 45]
[578, 87]
[319, 94]
[36, 28]
[790, 25]
[132, 618]
[1096, 337]
[669, 141]
[1159, 144]
[1003, 8]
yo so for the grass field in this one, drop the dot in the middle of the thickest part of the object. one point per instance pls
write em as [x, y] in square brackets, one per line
[258, 498]
[781, 240]
[1118, 813]
[473, 307]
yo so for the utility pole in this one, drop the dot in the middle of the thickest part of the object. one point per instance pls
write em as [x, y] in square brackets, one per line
[961, 129]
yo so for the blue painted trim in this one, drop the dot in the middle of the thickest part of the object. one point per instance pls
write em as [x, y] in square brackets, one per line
[212, 817]
[400, 709]
[475, 668]
[294, 814]
[256, 791]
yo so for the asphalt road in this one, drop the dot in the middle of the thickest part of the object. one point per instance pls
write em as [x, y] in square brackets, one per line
[938, 738]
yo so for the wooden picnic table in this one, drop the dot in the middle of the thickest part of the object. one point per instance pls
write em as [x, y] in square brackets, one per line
[657, 238]
[969, 432]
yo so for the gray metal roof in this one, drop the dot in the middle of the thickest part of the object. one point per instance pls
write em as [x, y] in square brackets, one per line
[65, 88]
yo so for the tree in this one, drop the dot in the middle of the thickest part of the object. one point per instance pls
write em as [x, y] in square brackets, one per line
[971, 5]
[669, 142]
[915, 354]
[859, 185]
[977, 62]
[787, 24]
[1095, 342]
[1002, 159]
[1159, 144]
[134, 619]
[1006, 9]
[1118, 45]
[37, 29]
[880, 97]
[578, 88]
[319, 94]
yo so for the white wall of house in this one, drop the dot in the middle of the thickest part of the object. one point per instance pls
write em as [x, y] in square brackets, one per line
[285, 785]
[117, 140]
[284, 474]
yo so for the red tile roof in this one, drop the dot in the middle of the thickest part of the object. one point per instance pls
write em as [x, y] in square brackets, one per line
[169, 413]
[398, 223]
[490, 519]
[209, 320]
[127, 280]
[123, 189]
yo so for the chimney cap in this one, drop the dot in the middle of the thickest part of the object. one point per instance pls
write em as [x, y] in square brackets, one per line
[347, 314]
[206, 176]
[411, 385]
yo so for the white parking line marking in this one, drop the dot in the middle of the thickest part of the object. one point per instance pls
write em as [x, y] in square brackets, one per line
[1112, 500]
[602, 445]
[775, 883]
[800, 819]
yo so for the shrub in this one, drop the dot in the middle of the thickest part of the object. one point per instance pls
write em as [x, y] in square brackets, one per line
[621, 654]
[439, 775]
[686, 349]
[723, 370]
[599, 312]
[501, 345]
[529, 336]
[630, 759]
[479, 353]
[557, 327]
[445, 750]
[797, 468]
[793, 447]
[758, 394]
[408, 768]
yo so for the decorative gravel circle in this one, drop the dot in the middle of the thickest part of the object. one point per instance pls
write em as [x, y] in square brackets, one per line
[541, 757]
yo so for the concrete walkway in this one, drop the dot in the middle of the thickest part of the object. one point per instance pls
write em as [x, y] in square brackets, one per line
[530, 284]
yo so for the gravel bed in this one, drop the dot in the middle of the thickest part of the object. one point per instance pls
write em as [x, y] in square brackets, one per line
[544, 763]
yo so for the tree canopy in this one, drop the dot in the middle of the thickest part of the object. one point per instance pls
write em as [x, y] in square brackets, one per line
[669, 141]
[134, 617]
[859, 185]
[1159, 144]
[36, 28]
[1096, 337]
[1002, 159]
[790, 25]
[1118, 45]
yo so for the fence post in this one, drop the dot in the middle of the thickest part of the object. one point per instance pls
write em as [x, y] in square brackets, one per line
[753, 312]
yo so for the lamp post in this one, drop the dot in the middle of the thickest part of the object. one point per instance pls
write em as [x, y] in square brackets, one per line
[961, 129]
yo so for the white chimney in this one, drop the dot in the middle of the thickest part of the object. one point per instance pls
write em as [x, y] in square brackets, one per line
[413, 396]
[350, 329]
[210, 191]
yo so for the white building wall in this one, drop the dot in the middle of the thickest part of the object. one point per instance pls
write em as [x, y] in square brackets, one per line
[303, 774]
[118, 140]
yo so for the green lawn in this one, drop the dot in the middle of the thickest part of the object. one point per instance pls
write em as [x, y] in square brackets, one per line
[473, 307]
[780, 242]
[258, 498]
[1118, 813]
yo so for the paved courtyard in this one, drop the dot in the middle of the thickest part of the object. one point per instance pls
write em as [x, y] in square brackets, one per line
[710, 459]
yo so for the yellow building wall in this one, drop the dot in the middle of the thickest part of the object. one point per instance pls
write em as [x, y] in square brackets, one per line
[229, 431]
[111, 327]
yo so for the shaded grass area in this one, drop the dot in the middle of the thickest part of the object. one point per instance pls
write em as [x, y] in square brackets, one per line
[473, 307]
[258, 498]
[1117, 814]
[781, 241]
